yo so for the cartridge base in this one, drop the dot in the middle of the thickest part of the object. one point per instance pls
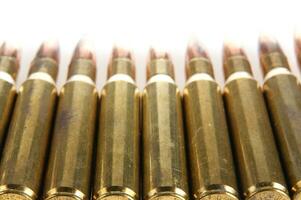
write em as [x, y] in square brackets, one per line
[224, 196]
[115, 193]
[216, 192]
[12, 196]
[65, 193]
[268, 191]
[297, 196]
[115, 197]
[269, 195]
[16, 192]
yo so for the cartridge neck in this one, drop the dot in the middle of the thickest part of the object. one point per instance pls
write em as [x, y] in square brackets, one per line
[84, 67]
[9, 65]
[160, 66]
[46, 65]
[273, 60]
[121, 66]
[199, 65]
[236, 64]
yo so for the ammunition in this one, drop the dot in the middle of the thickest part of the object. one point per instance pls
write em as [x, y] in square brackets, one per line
[24, 153]
[298, 48]
[283, 96]
[117, 162]
[164, 159]
[69, 168]
[256, 154]
[211, 161]
[9, 66]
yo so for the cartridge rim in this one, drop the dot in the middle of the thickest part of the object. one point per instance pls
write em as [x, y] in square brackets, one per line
[217, 191]
[65, 193]
[16, 192]
[267, 190]
[114, 191]
[167, 192]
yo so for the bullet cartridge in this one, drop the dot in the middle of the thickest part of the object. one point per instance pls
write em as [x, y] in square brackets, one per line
[255, 150]
[164, 159]
[117, 162]
[69, 167]
[24, 153]
[298, 48]
[283, 96]
[211, 161]
[9, 66]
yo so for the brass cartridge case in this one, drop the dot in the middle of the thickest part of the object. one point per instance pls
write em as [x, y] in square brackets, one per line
[117, 162]
[258, 162]
[9, 66]
[25, 149]
[69, 167]
[283, 96]
[211, 162]
[164, 159]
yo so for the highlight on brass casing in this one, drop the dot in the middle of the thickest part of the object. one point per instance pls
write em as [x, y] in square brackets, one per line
[211, 162]
[9, 67]
[69, 166]
[283, 96]
[256, 155]
[118, 152]
[164, 160]
[24, 153]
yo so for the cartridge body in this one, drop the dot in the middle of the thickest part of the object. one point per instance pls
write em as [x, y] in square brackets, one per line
[117, 162]
[254, 146]
[283, 95]
[24, 153]
[164, 159]
[69, 166]
[8, 70]
[210, 155]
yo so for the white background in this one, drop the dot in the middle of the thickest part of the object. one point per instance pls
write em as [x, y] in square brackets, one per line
[140, 24]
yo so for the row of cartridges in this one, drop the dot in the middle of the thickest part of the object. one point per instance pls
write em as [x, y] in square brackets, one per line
[205, 143]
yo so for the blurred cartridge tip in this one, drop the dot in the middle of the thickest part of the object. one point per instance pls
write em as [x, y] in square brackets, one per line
[120, 52]
[298, 46]
[231, 49]
[121, 62]
[159, 63]
[197, 59]
[158, 54]
[271, 54]
[195, 50]
[235, 59]
[10, 49]
[49, 49]
[268, 44]
[84, 50]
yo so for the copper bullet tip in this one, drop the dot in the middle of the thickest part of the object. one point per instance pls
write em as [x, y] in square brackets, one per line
[119, 52]
[49, 49]
[298, 43]
[268, 44]
[195, 50]
[9, 49]
[232, 49]
[153, 54]
[84, 50]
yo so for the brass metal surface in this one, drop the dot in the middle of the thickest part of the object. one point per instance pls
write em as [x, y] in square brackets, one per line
[7, 94]
[211, 162]
[69, 166]
[117, 162]
[164, 159]
[282, 92]
[283, 95]
[254, 145]
[24, 152]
